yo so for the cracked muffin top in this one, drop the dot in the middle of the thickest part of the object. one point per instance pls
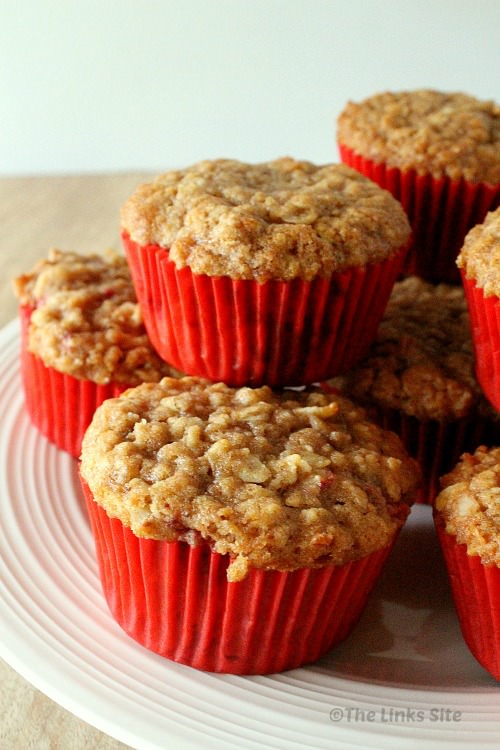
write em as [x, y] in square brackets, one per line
[277, 480]
[480, 254]
[432, 132]
[86, 321]
[276, 220]
[422, 361]
[469, 503]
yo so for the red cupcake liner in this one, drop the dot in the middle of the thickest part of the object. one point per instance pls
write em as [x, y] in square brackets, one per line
[476, 593]
[175, 600]
[245, 333]
[60, 406]
[485, 322]
[440, 211]
[436, 446]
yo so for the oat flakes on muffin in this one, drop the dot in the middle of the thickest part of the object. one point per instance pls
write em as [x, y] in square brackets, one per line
[437, 152]
[269, 273]
[288, 494]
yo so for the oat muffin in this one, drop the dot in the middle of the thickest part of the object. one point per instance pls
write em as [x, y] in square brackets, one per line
[288, 494]
[467, 518]
[437, 152]
[83, 340]
[479, 262]
[418, 378]
[274, 273]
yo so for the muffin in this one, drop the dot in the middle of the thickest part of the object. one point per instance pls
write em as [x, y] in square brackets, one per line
[240, 530]
[467, 517]
[479, 262]
[418, 379]
[439, 154]
[82, 341]
[275, 273]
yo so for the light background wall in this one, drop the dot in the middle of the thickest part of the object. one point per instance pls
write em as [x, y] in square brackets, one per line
[101, 85]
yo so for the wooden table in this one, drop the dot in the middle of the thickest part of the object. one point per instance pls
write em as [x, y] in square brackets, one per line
[78, 213]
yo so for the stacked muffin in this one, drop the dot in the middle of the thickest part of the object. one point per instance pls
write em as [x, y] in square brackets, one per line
[268, 512]
[467, 521]
[240, 530]
[82, 341]
[440, 155]
[275, 273]
[418, 379]
[479, 262]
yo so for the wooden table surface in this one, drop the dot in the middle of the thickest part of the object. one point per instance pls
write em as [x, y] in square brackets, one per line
[78, 213]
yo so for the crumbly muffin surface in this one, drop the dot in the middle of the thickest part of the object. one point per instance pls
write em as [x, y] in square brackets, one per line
[469, 503]
[480, 254]
[86, 321]
[276, 480]
[422, 361]
[433, 132]
[281, 219]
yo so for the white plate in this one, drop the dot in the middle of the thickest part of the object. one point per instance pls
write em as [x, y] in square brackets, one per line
[404, 678]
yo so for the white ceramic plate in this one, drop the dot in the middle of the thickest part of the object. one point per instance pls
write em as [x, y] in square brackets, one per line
[404, 678]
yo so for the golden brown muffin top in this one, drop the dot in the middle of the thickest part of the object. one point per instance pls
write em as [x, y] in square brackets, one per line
[276, 480]
[276, 220]
[480, 255]
[437, 133]
[422, 361]
[469, 503]
[86, 321]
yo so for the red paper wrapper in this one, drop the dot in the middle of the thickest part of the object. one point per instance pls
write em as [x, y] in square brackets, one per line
[485, 321]
[476, 593]
[175, 599]
[59, 405]
[244, 333]
[441, 212]
[437, 446]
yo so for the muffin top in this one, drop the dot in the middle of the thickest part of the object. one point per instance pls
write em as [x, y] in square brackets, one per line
[469, 503]
[421, 362]
[432, 132]
[276, 480]
[480, 255]
[86, 321]
[276, 220]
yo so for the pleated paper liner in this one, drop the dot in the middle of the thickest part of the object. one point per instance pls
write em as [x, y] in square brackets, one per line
[245, 333]
[485, 322]
[476, 593]
[441, 212]
[175, 600]
[60, 406]
[437, 446]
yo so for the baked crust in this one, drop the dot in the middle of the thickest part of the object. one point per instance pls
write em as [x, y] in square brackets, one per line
[421, 362]
[433, 132]
[276, 220]
[86, 321]
[276, 480]
[480, 254]
[469, 503]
